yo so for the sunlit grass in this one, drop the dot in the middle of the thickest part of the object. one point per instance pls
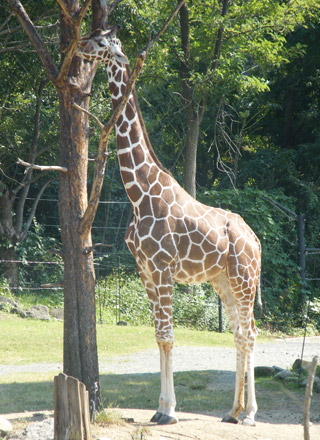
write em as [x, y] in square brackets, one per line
[26, 340]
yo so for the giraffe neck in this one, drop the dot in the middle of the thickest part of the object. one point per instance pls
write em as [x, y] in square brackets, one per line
[139, 166]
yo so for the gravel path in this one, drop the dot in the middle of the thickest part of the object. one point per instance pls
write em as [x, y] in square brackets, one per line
[280, 352]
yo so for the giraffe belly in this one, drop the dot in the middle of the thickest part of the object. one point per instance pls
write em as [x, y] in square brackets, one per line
[196, 272]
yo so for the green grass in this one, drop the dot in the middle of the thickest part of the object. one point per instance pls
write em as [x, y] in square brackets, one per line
[24, 340]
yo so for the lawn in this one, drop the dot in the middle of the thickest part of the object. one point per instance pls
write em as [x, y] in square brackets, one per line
[25, 341]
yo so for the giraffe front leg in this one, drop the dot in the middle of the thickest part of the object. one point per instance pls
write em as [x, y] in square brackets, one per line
[159, 290]
[165, 414]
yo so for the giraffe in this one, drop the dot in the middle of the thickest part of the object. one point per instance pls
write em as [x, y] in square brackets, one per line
[175, 238]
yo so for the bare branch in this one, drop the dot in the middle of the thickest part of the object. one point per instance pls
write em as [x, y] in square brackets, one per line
[76, 23]
[82, 12]
[6, 21]
[65, 9]
[33, 210]
[78, 107]
[113, 5]
[35, 39]
[42, 167]
[164, 27]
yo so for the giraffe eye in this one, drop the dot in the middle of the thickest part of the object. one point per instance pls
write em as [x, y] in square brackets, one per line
[101, 44]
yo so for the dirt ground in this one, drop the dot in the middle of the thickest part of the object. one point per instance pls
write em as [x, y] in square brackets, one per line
[198, 427]
[134, 424]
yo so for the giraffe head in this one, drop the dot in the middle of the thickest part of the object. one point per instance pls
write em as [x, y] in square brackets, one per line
[102, 45]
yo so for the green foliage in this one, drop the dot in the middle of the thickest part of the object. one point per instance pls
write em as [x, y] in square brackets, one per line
[122, 297]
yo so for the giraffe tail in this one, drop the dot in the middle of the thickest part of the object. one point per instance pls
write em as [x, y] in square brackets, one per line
[259, 302]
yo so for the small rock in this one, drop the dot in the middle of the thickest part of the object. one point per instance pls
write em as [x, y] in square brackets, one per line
[303, 365]
[5, 426]
[19, 311]
[122, 323]
[284, 374]
[316, 385]
[4, 301]
[277, 369]
[264, 371]
[57, 313]
[38, 312]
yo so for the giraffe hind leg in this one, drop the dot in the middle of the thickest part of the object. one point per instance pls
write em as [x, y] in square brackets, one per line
[222, 285]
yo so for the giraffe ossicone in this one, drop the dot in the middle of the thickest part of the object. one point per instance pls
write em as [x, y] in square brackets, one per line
[173, 237]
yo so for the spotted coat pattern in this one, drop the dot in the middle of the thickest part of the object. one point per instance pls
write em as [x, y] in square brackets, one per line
[173, 237]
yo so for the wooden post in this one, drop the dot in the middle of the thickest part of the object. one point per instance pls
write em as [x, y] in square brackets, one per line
[71, 409]
[307, 400]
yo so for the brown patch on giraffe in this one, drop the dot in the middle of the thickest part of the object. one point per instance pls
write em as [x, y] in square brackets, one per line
[208, 246]
[168, 244]
[192, 268]
[124, 127]
[165, 179]
[191, 224]
[160, 228]
[127, 176]
[134, 193]
[135, 133]
[162, 258]
[176, 211]
[196, 252]
[122, 142]
[149, 246]
[126, 160]
[145, 207]
[142, 177]
[118, 76]
[130, 113]
[156, 189]
[144, 226]
[153, 174]
[115, 90]
[183, 246]
[177, 226]
[138, 156]
[196, 237]
[160, 209]
[211, 260]
[168, 196]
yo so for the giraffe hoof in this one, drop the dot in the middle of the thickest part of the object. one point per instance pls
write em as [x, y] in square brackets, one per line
[167, 420]
[230, 419]
[157, 416]
[248, 422]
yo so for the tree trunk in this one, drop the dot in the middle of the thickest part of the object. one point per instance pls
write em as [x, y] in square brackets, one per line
[9, 269]
[80, 358]
[190, 158]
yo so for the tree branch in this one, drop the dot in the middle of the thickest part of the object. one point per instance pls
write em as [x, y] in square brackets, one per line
[164, 27]
[42, 167]
[35, 39]
[78, 107]
[33, 210]
[76, 23]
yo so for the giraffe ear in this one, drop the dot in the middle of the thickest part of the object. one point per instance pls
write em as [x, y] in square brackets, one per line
[119, 56]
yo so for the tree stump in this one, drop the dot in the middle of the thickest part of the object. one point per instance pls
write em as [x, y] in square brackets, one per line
[71, 409]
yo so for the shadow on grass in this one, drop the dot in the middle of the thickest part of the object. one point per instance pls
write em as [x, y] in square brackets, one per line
[203, 392]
